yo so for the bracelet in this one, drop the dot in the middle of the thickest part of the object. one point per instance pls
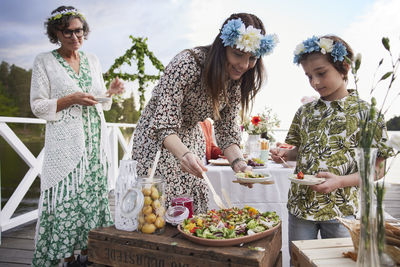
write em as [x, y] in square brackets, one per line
[235, 161]
[184, 154]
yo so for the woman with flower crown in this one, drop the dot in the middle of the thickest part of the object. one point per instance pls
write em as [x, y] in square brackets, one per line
[213, 81]
[74, 192]
[325, 133]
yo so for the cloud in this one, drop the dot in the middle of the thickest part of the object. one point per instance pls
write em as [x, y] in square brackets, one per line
[174, 25]
[365, 36]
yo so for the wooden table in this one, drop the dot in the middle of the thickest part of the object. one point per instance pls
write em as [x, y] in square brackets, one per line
[113, 247]
[322, 252]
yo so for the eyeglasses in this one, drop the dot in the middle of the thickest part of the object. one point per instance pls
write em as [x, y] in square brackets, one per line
[67, 33]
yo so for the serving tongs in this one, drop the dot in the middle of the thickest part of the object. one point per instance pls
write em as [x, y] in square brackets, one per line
[216, 197]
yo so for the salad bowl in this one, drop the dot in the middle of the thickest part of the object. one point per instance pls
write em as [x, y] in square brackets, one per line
[228, 227]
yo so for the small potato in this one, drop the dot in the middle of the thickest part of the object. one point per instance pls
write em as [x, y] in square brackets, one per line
[146, 191]
[156, 204]
[148, 228]
[160, 222]
[147, 210]
[147, 201]
[141, 220]
[160, 211]
[154, 193]
[150, 218]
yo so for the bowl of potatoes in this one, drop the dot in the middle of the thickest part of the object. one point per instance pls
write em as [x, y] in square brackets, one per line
[152, 215]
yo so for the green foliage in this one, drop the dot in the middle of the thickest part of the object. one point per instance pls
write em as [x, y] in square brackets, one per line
[136, 53]
[7, 106]
[124, 112]
[393, 124]
[15, 83]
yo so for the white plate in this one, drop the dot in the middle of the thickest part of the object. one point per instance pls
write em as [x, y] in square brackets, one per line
[267, 177]
[219, 162]
[102, 99]
[308, 180]
[259, 167]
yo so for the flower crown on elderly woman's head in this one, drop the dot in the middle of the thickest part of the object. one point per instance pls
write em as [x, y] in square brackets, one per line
[324, 45]
[60, 14]
[250, 39]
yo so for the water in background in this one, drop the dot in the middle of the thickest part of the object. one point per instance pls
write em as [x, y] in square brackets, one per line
[13, 171]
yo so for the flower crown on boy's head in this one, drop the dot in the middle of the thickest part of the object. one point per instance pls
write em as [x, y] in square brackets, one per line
[60, 14]
[324, 45]
[250, 39]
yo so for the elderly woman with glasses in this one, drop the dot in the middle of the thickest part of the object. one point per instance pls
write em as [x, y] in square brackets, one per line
[68, 91]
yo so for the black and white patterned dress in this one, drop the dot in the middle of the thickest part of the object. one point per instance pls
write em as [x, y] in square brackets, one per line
[178, 103]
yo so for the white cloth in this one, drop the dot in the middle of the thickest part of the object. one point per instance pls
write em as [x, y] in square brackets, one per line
[271, 197]
[64, 139]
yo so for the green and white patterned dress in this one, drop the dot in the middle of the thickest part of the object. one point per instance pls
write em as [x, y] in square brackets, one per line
[65, 228]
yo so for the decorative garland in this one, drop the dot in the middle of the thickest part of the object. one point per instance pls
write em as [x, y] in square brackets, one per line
[137, 52]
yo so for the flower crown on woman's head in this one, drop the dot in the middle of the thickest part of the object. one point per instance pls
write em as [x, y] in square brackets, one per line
[60, 14]
[324, 45]
[250, 39]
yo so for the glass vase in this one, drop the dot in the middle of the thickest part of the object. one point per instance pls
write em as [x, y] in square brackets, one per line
[253, 147]
[367, 255]
[128, 199]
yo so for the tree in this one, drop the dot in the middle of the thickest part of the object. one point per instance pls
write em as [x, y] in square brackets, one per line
[7, 104]
[19, 83]
[4, 70]
[123, 112]
[136, 53]
[393, 124]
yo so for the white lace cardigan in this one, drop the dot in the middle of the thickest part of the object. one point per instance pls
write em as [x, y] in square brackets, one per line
[64, 138]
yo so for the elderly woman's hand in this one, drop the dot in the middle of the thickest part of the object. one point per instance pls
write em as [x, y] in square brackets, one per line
[83, 99]
[116, 87]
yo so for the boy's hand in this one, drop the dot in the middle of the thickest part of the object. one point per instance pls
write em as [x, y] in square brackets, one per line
[277, 154]
[331, 183]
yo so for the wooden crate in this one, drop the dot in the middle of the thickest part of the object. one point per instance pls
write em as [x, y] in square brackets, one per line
[112, 247]
[321, 252]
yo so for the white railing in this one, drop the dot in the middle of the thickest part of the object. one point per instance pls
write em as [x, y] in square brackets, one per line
[35, 166]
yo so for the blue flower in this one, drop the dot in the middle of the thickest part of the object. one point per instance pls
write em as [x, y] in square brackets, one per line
[267, 45]
[296, 59]
[338, 52]
[311, 44]
[230, 32]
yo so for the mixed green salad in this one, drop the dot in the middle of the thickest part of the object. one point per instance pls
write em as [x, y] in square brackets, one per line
[230, 223]
[249, 174]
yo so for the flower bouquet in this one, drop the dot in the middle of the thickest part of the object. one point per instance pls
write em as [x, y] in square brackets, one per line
[262, 123]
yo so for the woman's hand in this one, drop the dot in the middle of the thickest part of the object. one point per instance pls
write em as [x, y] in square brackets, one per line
[79, 98]
[331, 183]
[83, 99]
[192, 164]
[116, 87]
[277, 154]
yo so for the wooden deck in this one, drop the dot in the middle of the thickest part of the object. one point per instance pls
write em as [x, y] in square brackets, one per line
[17, 245]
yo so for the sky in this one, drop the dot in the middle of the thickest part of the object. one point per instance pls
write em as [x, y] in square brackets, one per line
[174, 25]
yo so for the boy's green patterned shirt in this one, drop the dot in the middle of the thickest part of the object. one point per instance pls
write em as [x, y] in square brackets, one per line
[326, 134]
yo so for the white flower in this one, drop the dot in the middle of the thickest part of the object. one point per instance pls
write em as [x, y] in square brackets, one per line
[326, 45]
[395, 141]
[307, 99]
[249, 39]
[358, 57]
[299, 49]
